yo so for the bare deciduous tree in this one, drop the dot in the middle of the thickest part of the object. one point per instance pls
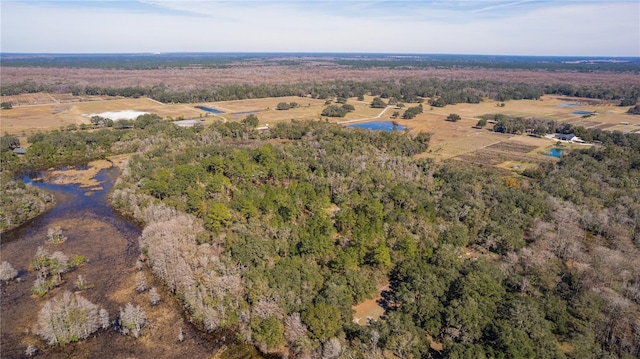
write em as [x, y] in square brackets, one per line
[81, 283]
[7, 272]
[132, 320]
[67, 318]
[154, 297]
[294, 328]
[141, 282]
[104, 318]
[59, 263]
[32, 350]
[180, 335]
[332, 348]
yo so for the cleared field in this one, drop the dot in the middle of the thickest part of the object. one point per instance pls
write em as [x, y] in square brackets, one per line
[310, 109]
[265, 109]
[450, 140]
[550, 107]
[33, 118]
[503, 153]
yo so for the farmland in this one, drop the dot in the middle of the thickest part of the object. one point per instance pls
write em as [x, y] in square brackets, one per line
[460, 140]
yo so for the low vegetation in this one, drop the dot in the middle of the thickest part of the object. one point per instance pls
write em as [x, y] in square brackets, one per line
[49, 268]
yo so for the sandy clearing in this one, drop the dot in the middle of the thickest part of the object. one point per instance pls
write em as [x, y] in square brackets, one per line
[118, 115]
[370, 309]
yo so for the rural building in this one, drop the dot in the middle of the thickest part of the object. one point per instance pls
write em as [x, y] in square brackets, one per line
[19, 151]
[569, 137]
[186, 123]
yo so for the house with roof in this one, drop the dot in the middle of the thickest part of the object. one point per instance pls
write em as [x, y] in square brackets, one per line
[569, 137]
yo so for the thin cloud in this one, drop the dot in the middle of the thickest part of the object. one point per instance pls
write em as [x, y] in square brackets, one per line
[501, 6]
[586, 28]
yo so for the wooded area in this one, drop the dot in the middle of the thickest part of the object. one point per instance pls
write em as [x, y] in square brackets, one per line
[276, 235]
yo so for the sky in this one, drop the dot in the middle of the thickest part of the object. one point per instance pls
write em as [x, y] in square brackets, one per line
[496, 27]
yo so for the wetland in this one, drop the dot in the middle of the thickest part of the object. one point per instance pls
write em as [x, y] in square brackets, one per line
[109, 242]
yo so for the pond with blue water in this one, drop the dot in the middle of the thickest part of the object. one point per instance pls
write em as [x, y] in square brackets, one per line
[583, 113]
[555, 152]
[209, 109]
[378, 126]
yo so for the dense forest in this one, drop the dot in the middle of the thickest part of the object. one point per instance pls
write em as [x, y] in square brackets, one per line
[219, 60]
[442, 92]
[275, 235]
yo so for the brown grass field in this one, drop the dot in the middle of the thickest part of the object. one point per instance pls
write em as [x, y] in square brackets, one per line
[450, 140]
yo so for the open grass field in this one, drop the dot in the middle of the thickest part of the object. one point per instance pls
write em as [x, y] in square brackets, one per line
[450, 140]
[550, 107]
[265, 109]
[53, 115]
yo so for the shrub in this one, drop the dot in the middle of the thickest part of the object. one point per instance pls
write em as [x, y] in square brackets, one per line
[453, 117]
[378, 103]
[81, 283]
[42, 286]
[635, 110]
[54, 235]
[283, 106]
[412, 112]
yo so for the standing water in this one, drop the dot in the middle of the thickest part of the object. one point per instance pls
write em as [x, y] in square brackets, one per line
[109, 243]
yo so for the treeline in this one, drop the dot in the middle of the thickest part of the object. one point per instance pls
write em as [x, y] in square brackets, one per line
[220, 60]
[72, 147]
[493, 62]
[19, 202]
[123, 61]
[440, 92]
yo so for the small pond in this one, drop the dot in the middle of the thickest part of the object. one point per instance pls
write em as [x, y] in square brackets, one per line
[555, 152]
[583, 113]
[379, 126]
[209, 109]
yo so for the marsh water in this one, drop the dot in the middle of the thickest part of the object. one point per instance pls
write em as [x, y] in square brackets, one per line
[110, 244]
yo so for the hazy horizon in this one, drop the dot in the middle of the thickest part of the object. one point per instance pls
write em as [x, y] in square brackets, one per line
[313, 54]
[568, 28]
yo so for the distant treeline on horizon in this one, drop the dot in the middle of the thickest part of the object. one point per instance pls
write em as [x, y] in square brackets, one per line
[354, 60]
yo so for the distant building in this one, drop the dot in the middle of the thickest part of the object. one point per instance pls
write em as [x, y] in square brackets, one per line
[569, 137]
[186, 123]
[566, 136]
[19, 151]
